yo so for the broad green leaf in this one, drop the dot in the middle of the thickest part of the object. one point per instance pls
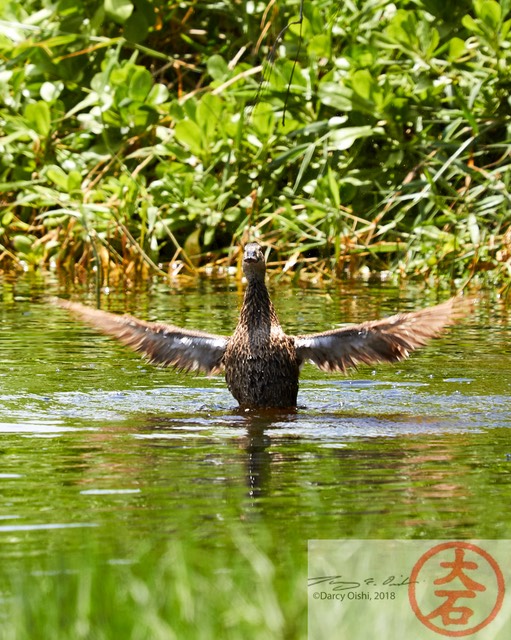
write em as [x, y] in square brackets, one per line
[37, 115]
[282, 73]
[217, 67]
[99, 82]
[434, 40]
[192, 246]
[342, 139]
[263, 119]
[120, 10]
[112, 118]
[363, 83]
[119, 82]
[363, 55]
[366, 87]
[190, 109]
[141, 116]
[209, 235]
[320, 45]
[23, 244]
[335, 95]
[490, 13]
[232, 214]
[158, 94]
[58, 176]
[74, 181]
[176, 111]
[140, 84]
[457, 48]
[469, 23]
[189, 134]
[136, 27]
[403, 27]
[209, 114]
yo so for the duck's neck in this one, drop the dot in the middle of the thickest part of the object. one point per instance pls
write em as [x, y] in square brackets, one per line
[257, 312]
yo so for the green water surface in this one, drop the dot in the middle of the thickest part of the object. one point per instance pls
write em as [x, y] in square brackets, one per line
[140, 503]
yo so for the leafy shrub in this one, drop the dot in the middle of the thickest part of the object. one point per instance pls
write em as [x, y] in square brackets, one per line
[140, 133]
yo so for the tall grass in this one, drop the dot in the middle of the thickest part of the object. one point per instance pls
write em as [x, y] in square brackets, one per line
[178, 590]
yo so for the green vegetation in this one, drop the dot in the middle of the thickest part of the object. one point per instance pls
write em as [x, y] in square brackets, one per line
[171, 591]
[140, 135]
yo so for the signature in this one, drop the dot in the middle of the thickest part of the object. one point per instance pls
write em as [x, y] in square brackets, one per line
[340, 584]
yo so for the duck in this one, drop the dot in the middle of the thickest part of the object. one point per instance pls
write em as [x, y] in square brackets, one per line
[262, 363]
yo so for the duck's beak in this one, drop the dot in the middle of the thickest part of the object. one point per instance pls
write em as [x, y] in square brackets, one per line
[251, 255]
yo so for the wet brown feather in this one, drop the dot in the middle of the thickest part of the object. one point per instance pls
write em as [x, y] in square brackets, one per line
[387, 340]
[162, 344]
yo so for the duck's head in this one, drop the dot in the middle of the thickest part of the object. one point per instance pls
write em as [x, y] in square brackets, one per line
[254, 265]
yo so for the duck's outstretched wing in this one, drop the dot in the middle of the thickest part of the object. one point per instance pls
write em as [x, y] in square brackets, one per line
[162, 344]
[387, 340]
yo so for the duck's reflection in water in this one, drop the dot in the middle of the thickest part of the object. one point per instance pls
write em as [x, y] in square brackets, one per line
[257, 442]
[248, 432]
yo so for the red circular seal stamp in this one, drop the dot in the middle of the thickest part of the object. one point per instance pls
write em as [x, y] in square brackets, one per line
[456, 589]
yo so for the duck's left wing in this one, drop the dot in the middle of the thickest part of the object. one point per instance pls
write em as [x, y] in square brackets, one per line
[162, 344]
[387, 340]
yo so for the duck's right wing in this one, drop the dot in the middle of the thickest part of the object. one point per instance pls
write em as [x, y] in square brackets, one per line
[162, 344]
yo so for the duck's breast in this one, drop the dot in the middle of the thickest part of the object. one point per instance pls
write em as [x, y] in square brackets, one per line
[262, 371]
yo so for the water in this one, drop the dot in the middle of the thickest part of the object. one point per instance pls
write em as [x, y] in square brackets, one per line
[100, 450]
